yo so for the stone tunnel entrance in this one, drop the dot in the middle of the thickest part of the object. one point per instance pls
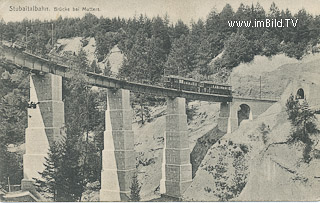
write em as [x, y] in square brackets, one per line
[300, 94]
[244, 113]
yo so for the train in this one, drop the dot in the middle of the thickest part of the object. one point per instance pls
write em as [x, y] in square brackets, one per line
[189, 84]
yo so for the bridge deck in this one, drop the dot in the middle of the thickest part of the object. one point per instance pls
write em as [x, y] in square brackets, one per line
[35, 63]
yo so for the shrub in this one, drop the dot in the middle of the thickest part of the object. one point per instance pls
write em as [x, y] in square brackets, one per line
[244, 148]
[207, 189]
[303, 123]
[135, 189]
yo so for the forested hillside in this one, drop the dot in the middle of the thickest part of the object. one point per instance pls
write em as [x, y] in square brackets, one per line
[203, 49]
[153, 46]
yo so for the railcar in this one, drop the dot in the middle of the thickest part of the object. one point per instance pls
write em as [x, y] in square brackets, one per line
[181, 83]
[189, 84]
[212, 88]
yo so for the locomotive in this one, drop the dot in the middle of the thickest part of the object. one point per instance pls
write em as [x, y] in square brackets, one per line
[189, 84]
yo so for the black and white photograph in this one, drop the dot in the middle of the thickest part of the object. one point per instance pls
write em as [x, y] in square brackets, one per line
[159, 100]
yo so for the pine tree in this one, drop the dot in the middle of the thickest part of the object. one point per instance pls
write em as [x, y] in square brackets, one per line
[135, 66]
[51, 182]
[82, 63]
[203, 58]
[95, 68]
[13, 121]
[303, 123]
[237, 49]
[182, 58]
[135, 189]
[107, 69]
[73, 175]
[79, 101]
[180, 29]
[160, 30]
[156, 59]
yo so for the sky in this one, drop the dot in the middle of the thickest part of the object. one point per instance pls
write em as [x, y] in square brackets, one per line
[185, 10]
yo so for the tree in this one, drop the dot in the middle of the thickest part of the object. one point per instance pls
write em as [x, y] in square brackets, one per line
[81, 62]
[74, 179]
[156, 59]
[264, 130]
[79, 100]
[107, 69]
[135, 66]
[182, 58]
[135, 189]
[13, 122]
[50, 183]
[140, 103]
[180, 29]
[95, 68]
[198, 31]
[270, 44]
[10, 167]
[62, 178]
[303, 123]
[203, 58]
[237, 49]
[160, 30]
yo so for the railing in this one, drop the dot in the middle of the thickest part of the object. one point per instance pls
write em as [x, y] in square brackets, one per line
[34, 63]
[262, 97]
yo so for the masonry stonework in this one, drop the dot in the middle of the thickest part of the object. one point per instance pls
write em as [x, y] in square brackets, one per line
[311, 92]
[228, 117]
[45, 124]
[118, 156]
[177, 172]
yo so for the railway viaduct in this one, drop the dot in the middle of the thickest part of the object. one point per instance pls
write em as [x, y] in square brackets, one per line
[46, 122]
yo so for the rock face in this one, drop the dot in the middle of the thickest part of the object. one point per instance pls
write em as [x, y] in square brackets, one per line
[149, 143]
[72, 46]
[255, 163]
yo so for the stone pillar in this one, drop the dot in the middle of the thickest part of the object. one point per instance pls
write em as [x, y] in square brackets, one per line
[118, 156]
[228, 118]
[177, 172]
[45, 123]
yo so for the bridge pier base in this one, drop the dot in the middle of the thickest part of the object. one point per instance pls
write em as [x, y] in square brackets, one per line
[176, 168]
[45, 122]
[228, 120]
[118, 156]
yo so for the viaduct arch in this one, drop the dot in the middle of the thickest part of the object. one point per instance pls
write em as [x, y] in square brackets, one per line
[233, 113]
